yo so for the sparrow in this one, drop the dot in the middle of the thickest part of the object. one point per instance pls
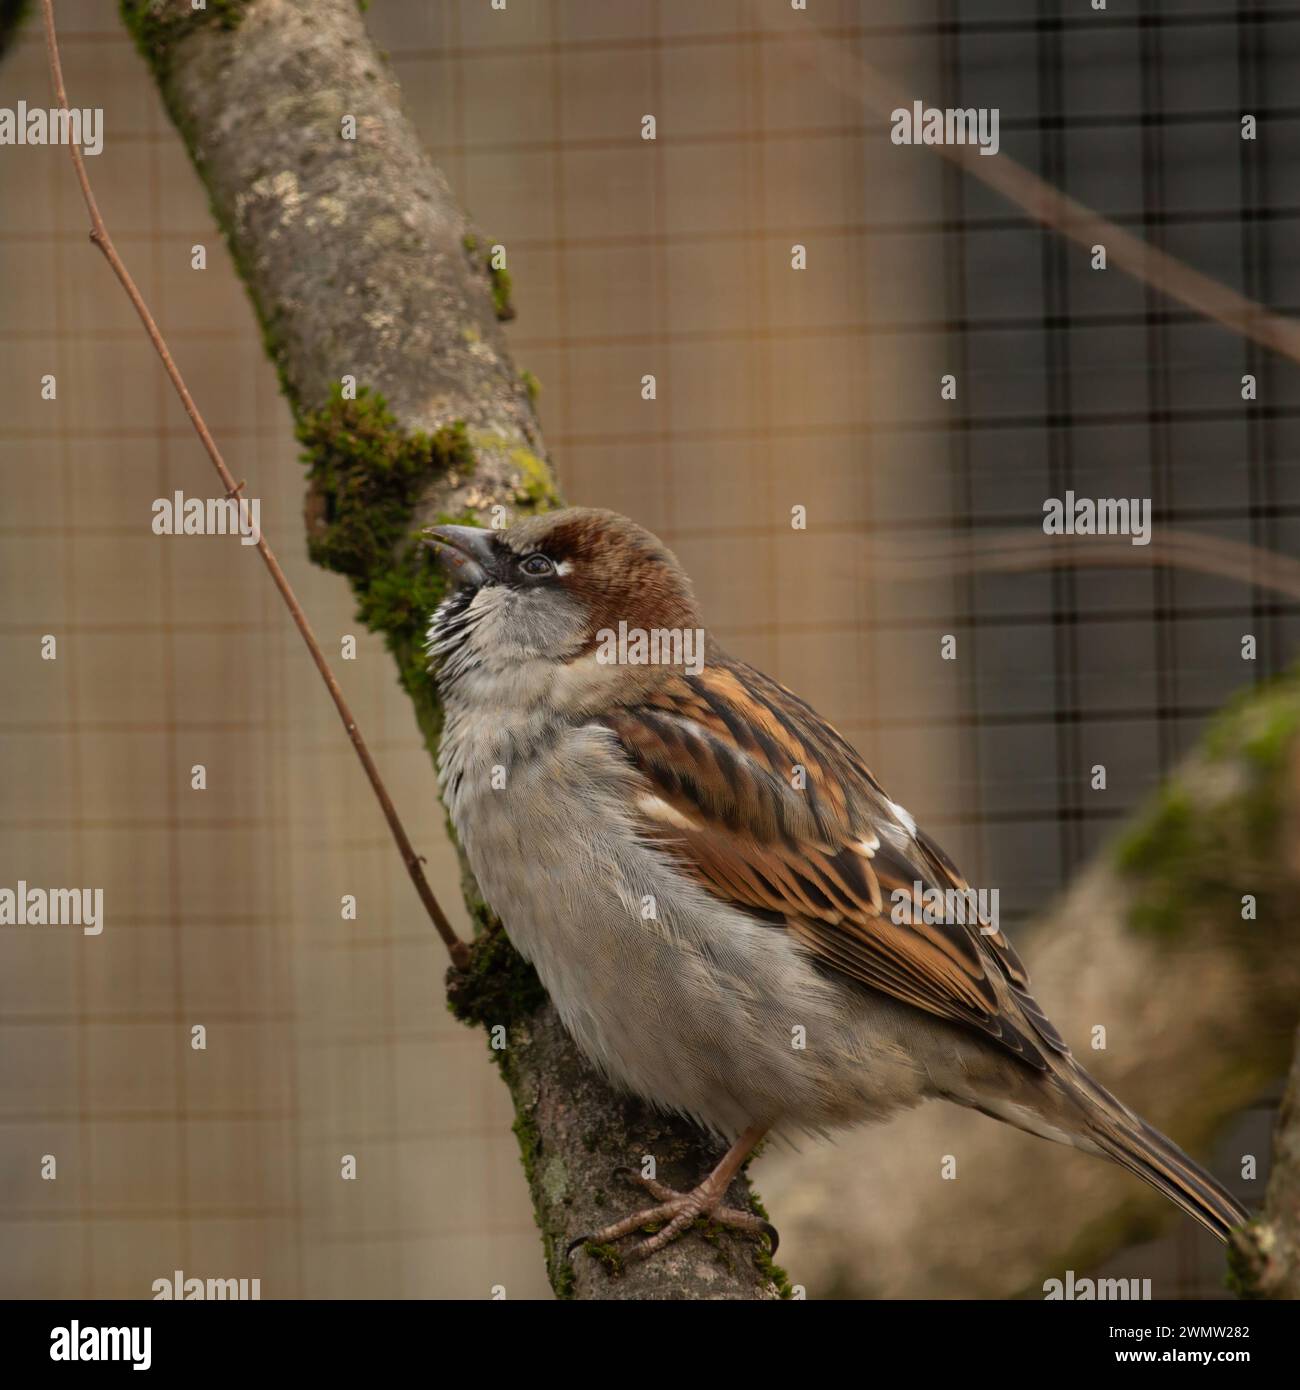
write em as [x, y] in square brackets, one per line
[726, 908]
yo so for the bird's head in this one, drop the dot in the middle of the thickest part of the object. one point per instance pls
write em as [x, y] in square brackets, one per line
[553, 589]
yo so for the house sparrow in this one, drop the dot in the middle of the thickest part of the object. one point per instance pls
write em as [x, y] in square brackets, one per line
[702, 871]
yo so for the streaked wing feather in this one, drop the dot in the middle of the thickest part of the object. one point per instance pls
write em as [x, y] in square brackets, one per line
[718, 752]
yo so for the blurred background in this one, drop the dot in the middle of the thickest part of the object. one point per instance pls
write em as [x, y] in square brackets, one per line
[777, 389]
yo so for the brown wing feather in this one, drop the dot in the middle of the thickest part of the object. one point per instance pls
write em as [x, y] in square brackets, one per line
[718, 752]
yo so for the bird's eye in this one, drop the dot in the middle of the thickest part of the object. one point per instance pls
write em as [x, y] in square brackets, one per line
[536, 566]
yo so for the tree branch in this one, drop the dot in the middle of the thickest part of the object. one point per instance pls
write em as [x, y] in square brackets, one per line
[363, 271]
[1266, 1254]
[1046, 205]
[100, 237]
[1023, 551]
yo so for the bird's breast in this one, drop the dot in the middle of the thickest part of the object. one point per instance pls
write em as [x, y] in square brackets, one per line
[674, 994]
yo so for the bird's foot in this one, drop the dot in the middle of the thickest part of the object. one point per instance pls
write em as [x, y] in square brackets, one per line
[677, 1211]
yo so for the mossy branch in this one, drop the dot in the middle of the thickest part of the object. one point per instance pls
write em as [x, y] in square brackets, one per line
[1266, 1254]
[380, 305]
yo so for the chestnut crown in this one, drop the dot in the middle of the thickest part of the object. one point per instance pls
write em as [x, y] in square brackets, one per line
[597, 566]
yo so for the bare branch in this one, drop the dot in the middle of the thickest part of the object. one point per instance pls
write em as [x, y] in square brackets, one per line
[99, 235]
[1045, 204]
[1024, 551]
[359, 261]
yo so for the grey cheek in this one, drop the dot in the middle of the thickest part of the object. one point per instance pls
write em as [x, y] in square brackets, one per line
[543, 621]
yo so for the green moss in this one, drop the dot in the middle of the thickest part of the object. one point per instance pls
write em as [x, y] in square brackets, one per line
[370, 474]
[545, 1185]
[711, 1234]
[1268, 729]
[367, 475]
[1159, 849]
[606, 1255]
[564, 1279]
[559, 1268]
[535, 490]
[773, 1273]
[529, 1136]
[1242, 1277]
[532, 386]
[763, 1260]
[498, 277]
[1163, 834]
[501, 287]
[1189, 860]
[1258, 720]
[157, 27]
[499, 985]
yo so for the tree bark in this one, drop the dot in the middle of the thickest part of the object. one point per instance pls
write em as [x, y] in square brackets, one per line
[359, 264]
[1267, 1252]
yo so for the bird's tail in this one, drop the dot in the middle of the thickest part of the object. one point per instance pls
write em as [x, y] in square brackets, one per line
[1128, 1140]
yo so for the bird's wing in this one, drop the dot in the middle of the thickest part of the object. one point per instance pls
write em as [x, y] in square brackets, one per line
[772, 811]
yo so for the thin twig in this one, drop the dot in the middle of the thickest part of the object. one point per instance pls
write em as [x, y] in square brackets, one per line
[1045, 204]
[1023, 551]
[99, 235]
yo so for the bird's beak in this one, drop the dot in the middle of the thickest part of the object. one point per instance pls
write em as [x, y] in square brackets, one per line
[464, 552]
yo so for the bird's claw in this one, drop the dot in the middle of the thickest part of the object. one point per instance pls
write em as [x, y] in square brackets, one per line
[675, 1213]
